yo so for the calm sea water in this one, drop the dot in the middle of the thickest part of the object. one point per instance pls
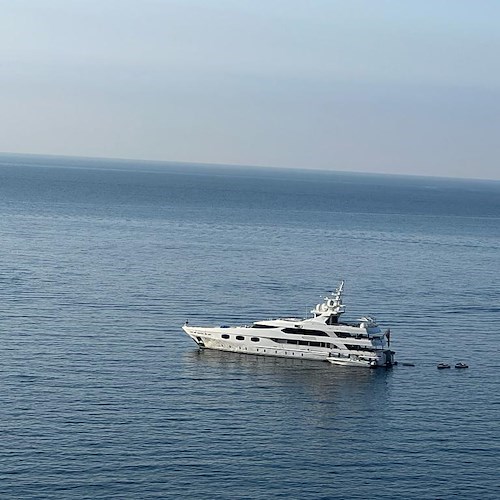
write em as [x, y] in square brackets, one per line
[102, 396]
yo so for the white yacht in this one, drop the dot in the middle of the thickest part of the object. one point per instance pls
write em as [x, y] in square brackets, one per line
[321, 337]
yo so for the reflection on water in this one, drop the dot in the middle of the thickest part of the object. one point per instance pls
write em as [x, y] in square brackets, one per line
[323, 388]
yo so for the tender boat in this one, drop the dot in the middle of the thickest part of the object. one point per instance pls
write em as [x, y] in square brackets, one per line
[321, 337]
[461, 365]
[442, 366]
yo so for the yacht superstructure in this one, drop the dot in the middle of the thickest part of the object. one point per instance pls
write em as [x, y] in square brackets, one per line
[321, 337]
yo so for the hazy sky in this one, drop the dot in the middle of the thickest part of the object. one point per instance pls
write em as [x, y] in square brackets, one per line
[398, 86]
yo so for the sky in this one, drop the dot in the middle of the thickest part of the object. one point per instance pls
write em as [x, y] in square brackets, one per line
[389, 86]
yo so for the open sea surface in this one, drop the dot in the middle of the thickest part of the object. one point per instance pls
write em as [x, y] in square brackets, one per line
[103, 396]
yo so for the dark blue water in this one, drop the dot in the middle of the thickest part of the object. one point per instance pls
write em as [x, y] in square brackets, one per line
[102, 396]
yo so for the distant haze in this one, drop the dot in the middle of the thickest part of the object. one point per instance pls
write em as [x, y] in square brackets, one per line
[409, 87]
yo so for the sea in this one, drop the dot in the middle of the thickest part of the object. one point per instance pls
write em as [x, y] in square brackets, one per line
[102, 395]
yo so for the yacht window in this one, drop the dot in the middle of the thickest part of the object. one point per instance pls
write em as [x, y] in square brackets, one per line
[263, 326]
[255, 339]
[239, 337]
[360, 348]
[225, 336]
[342, 335]
[302, 331]
[332, 320]
[303, 342]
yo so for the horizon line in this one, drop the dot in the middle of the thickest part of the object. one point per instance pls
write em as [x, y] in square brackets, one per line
[245, 165]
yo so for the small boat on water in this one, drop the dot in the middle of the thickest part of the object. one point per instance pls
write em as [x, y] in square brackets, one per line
[320, 337]
[442, 366]
[461, 365]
